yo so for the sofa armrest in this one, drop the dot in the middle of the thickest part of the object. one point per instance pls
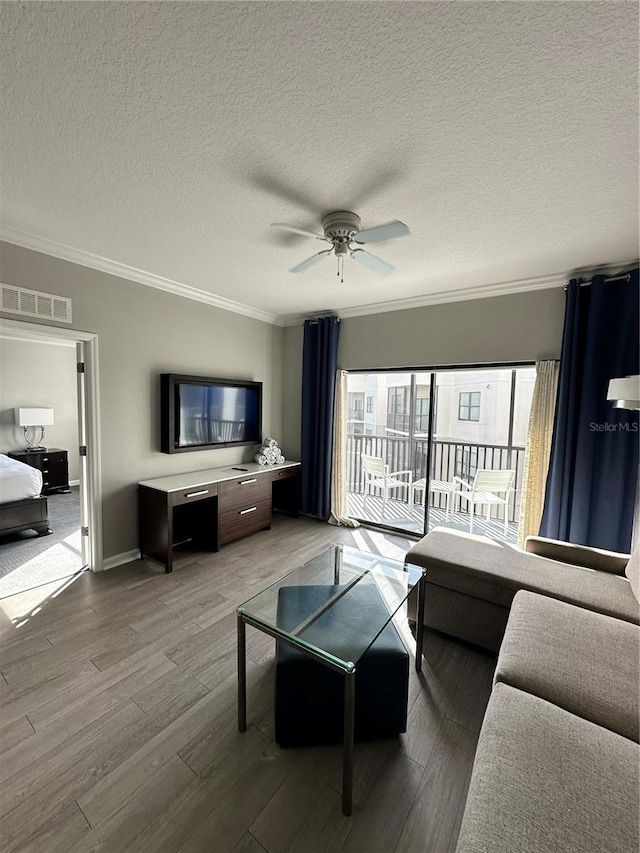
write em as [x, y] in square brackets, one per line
[577, 555]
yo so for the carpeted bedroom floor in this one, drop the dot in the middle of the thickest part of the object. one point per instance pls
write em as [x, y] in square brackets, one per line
[28, 560]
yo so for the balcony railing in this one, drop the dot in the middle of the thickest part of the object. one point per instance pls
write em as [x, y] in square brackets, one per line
[449, 459]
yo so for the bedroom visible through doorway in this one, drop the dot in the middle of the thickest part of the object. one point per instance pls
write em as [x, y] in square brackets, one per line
[39, 367]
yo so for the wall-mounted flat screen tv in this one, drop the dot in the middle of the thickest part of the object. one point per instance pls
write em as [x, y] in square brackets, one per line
[200, 412]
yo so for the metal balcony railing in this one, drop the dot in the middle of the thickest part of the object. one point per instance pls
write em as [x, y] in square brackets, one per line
[449, 459]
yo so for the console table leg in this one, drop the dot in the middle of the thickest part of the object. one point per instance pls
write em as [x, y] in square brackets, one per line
[347, 748]
[242, 675]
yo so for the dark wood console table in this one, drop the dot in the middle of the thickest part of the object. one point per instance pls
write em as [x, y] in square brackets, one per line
[213, 507]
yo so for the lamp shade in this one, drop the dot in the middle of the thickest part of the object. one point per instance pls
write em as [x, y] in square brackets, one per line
[625, 392]
[34, 417]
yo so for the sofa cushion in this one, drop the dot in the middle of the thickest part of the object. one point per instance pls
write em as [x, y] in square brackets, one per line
[577, 555]
[470, 619]
[633, 571]
[582, 661]
[495, 571]
[546, 780]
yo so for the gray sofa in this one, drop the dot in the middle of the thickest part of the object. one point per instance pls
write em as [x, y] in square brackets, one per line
[558, 762]
[471, 581]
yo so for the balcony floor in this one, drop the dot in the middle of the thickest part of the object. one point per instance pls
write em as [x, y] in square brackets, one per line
[398, 515]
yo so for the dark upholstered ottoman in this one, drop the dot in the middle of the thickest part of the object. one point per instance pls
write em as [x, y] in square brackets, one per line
[309, 697]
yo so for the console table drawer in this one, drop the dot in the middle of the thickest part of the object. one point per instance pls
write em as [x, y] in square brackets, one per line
[239, 522]
[244, 492]
[284, 473]
[197, 493]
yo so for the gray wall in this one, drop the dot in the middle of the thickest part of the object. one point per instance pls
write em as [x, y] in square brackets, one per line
[39, 375]
[517, 327]
[143, 332]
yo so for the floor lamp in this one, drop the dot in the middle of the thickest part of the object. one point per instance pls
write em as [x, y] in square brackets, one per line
[624, 393]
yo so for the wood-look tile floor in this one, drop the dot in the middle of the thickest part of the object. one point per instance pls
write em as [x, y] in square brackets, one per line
[118, 726]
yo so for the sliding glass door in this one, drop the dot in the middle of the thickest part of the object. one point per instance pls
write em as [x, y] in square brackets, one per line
[417, 440]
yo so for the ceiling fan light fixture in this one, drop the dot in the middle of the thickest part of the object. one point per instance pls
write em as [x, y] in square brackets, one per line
[341, 225]
[341, 229]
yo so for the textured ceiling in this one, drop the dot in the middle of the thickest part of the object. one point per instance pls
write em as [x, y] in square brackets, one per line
[167, 136]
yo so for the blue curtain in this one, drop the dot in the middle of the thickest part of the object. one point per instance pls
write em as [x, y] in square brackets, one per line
[319, 364]
[593, 468]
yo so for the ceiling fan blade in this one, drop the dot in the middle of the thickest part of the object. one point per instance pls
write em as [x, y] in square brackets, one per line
[304, 265]
[296, 230]
[383, 232]
[372, 262]
[268, 180]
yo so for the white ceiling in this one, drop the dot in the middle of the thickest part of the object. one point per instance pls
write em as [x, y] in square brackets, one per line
[165, 137]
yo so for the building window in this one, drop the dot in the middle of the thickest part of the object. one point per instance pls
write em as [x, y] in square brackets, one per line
[370, 404]
[422, 415]
[469, 406]
[396, 401]
[466, 462]
[355, 406]
[398, 409]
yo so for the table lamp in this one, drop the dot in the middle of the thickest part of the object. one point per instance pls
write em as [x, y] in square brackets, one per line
[27, 418]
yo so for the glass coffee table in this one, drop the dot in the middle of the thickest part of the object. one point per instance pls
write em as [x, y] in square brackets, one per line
[327, 632]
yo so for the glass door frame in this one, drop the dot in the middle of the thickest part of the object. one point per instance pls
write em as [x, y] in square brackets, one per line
[433, 371]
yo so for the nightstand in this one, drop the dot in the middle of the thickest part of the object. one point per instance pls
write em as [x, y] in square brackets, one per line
[53, 463]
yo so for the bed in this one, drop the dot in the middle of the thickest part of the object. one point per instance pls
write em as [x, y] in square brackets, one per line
[22, 507]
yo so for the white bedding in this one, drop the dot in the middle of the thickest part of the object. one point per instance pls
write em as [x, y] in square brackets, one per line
[17, 480]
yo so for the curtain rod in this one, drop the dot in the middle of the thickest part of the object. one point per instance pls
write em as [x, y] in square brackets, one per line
[624, 277]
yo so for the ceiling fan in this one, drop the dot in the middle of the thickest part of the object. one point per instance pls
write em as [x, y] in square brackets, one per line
[342, 230]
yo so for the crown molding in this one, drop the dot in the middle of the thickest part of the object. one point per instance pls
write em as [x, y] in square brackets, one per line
[483, 291]
[97, 262]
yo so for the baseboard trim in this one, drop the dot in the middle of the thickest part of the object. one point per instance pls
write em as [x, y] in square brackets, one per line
[74, 482]
[120, 559]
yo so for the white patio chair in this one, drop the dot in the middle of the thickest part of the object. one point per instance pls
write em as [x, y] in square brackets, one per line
[377, 475]
[486, 489]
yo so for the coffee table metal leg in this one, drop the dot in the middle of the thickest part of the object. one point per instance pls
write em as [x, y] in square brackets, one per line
[420, 623]
[242, 675]
[337, 564]
[347, 748]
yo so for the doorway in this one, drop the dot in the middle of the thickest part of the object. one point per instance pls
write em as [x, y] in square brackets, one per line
[434, 430]
[87, 543]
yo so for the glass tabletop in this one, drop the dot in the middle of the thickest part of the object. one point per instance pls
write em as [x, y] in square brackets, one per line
[335, 605]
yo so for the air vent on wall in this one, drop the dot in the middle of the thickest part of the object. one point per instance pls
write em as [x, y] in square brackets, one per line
[33, 303]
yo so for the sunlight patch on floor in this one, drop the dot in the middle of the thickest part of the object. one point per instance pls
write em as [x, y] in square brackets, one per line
[74, 540]
[58, 561]
[25, 605]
